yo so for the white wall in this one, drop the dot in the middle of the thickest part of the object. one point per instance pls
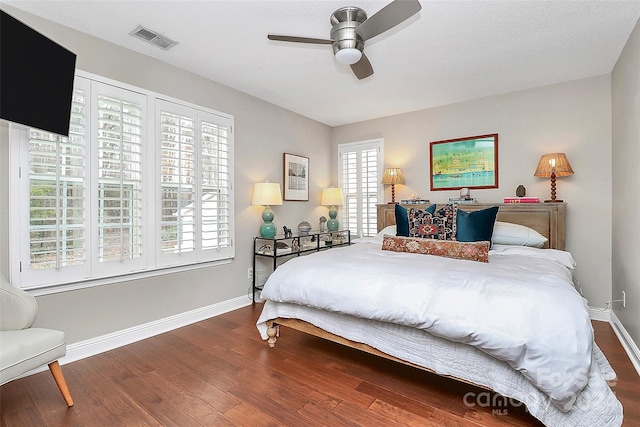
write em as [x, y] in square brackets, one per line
[625, 80]
[263, 132]
[574, 118]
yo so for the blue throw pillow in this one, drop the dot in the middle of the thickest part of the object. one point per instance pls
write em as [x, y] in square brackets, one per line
[402, 219]
[475, 226]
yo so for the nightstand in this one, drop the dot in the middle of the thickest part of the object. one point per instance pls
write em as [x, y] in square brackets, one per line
[280, 247]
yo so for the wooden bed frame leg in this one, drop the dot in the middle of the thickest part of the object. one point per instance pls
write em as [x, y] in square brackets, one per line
[272, 332]
[55, 369]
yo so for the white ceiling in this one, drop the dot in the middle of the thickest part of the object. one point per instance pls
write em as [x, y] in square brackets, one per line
[451, 51]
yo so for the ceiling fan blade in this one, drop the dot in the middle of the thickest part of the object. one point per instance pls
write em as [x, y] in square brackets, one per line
[298, 39]
[388, 17]
[362, 69]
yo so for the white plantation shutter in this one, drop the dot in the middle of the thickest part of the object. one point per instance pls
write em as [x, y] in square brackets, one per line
[126, 192]
[56, 219]
[119, 119]
[215, 144]
[359, 177]
[195, 184]
[177, 165]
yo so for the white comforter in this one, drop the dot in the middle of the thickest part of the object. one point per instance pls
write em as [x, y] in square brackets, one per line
[520, 307]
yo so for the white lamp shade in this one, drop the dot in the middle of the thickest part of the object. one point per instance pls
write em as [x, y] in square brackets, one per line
[331, 197]
[266, 194]
[348, 56]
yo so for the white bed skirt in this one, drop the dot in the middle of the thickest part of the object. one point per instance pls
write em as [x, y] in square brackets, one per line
[595, 406]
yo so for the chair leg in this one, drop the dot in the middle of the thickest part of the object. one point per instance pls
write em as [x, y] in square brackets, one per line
[55, 369]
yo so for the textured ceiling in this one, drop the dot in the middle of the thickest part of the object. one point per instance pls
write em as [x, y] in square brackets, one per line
[450, 52]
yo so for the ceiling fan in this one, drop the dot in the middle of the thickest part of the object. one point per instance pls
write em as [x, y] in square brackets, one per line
[351, 28]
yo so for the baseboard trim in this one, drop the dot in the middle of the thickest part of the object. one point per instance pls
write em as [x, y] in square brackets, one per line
[627, 342]
[111, 341]
[97, 345]
[600, 314]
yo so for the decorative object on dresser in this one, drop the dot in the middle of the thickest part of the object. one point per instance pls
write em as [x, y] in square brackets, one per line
[470, 162]
[521, 191]
[267, 194]
[304, 228]
[323, 223]
[287, 231]
[392, 176]
[553, 165]
[332, 197]
[296, 177]
[464, 193]
[521, 200]
[457, 200]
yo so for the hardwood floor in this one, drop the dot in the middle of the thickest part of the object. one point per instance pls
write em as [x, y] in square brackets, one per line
[219, 372]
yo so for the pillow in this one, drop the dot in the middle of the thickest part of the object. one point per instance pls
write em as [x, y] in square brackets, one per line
[563, 258]
[439, 225]
[506, 233]
[402, 219]
[475, 226]
[391, 229]
[472, 251]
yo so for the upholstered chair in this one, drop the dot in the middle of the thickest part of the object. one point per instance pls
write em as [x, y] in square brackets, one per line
[23, 348]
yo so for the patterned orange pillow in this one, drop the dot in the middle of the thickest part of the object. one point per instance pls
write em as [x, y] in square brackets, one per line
[473, 251]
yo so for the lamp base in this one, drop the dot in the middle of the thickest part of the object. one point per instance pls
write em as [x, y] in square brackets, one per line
[332, 223]
[268, 228]
[554, 201]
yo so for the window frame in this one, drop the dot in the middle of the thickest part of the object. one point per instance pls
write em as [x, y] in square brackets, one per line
[359, 147]
[90, 273]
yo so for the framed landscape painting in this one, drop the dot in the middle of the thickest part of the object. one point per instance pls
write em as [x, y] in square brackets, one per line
[470, 162]
[296, 177]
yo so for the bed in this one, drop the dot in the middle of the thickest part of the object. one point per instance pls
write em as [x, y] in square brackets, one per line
[457, 318]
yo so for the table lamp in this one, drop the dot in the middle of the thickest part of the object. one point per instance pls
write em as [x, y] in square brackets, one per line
[332, 197]
[267, 194]
[553, 165]
[392, 176]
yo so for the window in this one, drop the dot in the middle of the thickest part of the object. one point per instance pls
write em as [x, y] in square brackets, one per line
[127, 191]
[195, 183]
[360, 167]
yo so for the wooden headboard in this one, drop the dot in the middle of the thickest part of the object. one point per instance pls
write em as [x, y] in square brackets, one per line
[548, 219]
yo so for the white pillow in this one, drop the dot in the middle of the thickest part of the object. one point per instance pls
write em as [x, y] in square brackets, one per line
[391, 230]
[563, 258]
[506, 233]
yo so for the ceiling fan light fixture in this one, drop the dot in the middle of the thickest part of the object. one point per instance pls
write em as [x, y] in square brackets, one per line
[348, 56]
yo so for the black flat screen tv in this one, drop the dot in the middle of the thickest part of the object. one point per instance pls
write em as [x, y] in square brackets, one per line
[36, 78]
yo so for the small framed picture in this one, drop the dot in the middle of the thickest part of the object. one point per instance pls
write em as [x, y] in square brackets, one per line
[296, 177]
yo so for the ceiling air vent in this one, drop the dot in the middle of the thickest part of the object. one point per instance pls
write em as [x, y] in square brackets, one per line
[152, 37]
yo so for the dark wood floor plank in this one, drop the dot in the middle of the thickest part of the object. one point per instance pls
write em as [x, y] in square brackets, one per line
[244, 415]
[14, 398]
[219, 372]
[398, 415]
[399, 399]
[25, 416]
[94, 391]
